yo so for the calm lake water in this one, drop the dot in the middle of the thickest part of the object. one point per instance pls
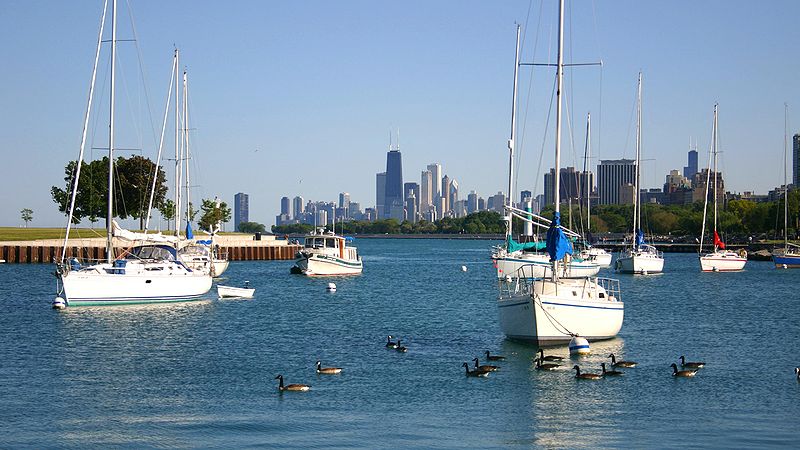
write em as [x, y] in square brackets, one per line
[202, 374]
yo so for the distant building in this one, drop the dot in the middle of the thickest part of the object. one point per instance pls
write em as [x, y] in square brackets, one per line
[412, 189]
[297, 208]
[426, 190]
[472, 202]
[380, 194]
[481, 204]
[241, 209]
[354, 211]
[524, 195]
[453, 194]
[344, 203]
[626, 193]
[675, 181]
[286, 206]
[394, 181]
[691, 168]
[497, 203]
[574, 186]
[445, 195]
[612, 174]
[460, 208]
[436, 181]
[714, 181]
[796, 160]
[411, 208]
[370, 214]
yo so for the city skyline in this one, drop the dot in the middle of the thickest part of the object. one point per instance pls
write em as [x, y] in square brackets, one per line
[448, 88]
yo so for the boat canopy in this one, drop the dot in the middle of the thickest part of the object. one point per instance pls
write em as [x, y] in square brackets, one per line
[157, 252]
[513, 246]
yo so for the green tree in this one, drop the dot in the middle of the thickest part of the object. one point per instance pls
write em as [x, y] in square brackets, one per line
[133, 181]
[167, 209]
[27, 216]
[213, 214]
[252, 227]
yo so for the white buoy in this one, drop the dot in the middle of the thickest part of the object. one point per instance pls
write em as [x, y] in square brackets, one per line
[331, 287]
[463, 268]
[579, 346]
[644, 272]
[785, 266]
[59, 303]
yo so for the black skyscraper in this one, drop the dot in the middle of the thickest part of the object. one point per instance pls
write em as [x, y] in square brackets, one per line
[394, 182]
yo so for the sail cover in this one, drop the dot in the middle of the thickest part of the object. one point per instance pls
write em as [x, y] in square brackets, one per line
[513, 246]
[717, 241]
[639, 238]
[557, 243]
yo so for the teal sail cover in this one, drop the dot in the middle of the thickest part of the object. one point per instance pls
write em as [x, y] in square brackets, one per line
[557, 243]
[513, 246]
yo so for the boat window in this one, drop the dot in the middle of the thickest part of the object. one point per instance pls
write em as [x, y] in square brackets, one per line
[330, 243]
[574, 293]
[309, 242]
[602, 295]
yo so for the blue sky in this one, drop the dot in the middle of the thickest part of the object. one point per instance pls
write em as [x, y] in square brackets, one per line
[315, 86]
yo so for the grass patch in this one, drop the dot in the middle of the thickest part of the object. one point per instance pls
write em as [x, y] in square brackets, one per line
[32, 234]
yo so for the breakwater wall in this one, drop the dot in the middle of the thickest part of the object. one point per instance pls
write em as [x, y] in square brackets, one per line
[34, 253]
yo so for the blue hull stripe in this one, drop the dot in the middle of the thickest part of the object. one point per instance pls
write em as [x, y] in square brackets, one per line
[563, 304]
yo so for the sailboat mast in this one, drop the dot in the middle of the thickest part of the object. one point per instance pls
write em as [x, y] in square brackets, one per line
[636, 201]
[186, 146]
[511, 138]
[110, 217]
[177, 151]
[716, 146]
[587, 154]
[785, 178]
[559, 83]
[708, 181]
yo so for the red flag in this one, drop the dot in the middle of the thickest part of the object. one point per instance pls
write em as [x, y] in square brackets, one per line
[717, 241]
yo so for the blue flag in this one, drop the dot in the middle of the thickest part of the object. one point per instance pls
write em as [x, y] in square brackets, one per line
[557, 243]
[189, 234]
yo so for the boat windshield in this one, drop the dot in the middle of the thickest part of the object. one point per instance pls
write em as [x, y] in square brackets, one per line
[151, 252]
[315, 242]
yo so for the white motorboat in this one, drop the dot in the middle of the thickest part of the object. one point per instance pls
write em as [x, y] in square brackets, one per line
[143, 274]
[235, 292]
[720, 259]
[553, 310]
[325, 254]
[640, 257]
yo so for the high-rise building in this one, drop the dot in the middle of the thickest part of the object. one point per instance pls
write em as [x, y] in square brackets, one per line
[344, 200]
[796, 160]
[411, 208]
[411, 189]
[426, 190]
[523, 195]
[453, 193]
[394, 180]
[241, 209]
[497, 203]
[436, 179]
[675, 181]
[286, 206]
[611, 174]
[691, 168]
[297, 208]
[380, 195]
[445, 195]
[575, 186]
[714, 181]
[481, 204]
[472, 202]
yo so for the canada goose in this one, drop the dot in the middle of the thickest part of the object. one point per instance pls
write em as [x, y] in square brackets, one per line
[476, 372]
[291, 387]
[691, 365]
[389, 343]
[548, 366]
[486, 367]
[585, 376]
[327, 370]
[615, 363]
[549, 357]
[490, 357]
[682, 373]
[610, 372]
[400, 348]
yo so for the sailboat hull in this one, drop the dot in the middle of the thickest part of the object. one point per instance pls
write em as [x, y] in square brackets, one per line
[640, 263]
[551, 312]
[598, 256]
[722, 262]
[786, 260]
[156, 283]
[539, 266]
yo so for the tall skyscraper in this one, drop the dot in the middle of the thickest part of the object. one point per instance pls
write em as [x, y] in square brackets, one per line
[472, 202]
[411, 208]
[394, 181]
[445, 195]
[575, 185]
[426, 190]
[380, 195]
[411, 190]
[691, 168]
[523, 195]
[297, 208]
[344, 203]
[286, 206]
[611, 174]
[241, 209]
[436, 178]
[453, 193]
[796, 160]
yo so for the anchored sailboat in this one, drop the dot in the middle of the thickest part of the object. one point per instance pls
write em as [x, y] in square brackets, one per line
[789, 256]
[594, 254]
[149, 273]
[720, 259]
[553, 310]
[640, 257]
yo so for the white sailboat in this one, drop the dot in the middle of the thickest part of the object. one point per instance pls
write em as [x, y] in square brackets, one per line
[720, 259]
[789, 256]
[640, 257]
[596, 255]
[553, 310]
[513, 259]
[149, 273]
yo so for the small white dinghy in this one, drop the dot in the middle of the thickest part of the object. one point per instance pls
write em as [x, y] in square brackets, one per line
[236, 292]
